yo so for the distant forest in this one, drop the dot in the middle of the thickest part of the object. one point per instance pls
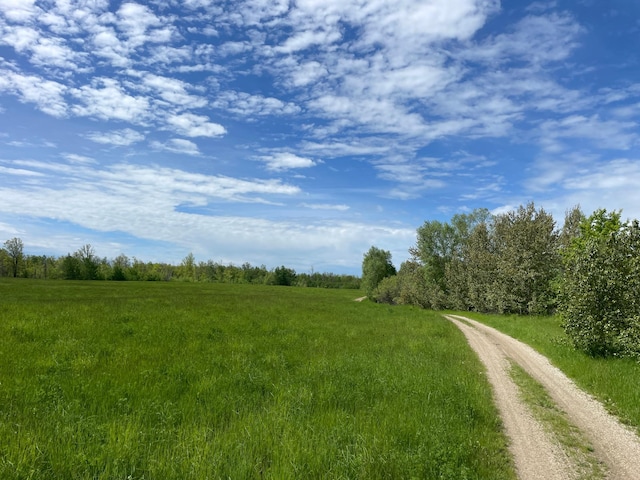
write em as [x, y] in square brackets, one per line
[85, 264]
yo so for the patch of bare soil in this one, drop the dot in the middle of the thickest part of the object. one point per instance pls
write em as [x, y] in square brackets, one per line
[536, 455]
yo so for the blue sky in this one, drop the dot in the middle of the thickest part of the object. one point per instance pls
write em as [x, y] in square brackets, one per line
[303, 132]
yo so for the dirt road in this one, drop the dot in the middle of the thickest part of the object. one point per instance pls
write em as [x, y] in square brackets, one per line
[536, 455]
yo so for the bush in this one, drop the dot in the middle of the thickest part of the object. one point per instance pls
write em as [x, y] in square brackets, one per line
[600, 301]
[388, 291]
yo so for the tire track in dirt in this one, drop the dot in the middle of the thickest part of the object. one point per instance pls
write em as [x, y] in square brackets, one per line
[616, 445]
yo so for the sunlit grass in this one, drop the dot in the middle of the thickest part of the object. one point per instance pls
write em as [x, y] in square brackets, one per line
[179, 381]
[615, 381]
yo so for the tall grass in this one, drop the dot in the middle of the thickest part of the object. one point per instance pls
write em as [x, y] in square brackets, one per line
[615, 381]
[186, 381]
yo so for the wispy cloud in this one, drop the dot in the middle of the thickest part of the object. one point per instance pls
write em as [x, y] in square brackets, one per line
[326, 206]
[145, 202]
[177, 145]
[121, 138]
[192, 125]
[286, 161]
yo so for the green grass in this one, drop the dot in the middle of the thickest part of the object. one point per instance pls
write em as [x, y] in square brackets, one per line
[556, 422]
[615, 381]
[189, 381]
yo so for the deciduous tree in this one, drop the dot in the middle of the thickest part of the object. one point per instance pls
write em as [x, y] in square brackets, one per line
[601, 286]
[14, 248]
[376, 265]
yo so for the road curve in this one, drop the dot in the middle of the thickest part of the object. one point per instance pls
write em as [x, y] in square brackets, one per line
[616, 445]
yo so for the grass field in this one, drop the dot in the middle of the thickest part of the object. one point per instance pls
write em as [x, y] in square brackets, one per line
[615, 381]
[190, 381]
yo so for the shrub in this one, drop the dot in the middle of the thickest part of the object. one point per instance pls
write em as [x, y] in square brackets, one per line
[600, 300]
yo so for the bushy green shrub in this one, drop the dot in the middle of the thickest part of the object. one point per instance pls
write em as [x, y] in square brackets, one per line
[388, 291]
[600, 301]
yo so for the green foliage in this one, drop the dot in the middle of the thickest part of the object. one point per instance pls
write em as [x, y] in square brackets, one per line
[505, 263]
[387, 291]
[178, 380]
[526, 254]
[437, 244]
[376, 265]
[84, 264]
[327, 280]
[478, 272]
[440, 244]
[282, 276]
[412, 285]
[187, 269]
[14, 249]
[601, 288]
[71, 268]
[5, 263]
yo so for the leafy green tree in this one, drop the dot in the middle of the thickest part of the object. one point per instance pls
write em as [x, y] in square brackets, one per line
[283, 276]
[89, 262]
[376, 265]
[601, 286]
[440, 249]
[187, 269]
[437, 244]
[479, 270]
[571, 229]
[71, 268]
[5, 262]
[14, 248]
[525, 244]
[413, 287]
[120, 267]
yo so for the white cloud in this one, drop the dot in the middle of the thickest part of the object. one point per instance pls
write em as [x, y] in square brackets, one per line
[412, 179]
[286, 161]
[166, 55]
[307, 73]
[355, 147]
[145, 202]
[609, 134]
[20, 37]
[47, 95]
[326, 206]
[18, 10]
[173, 91]
[79, 159]
[536, 39]
[107, 45]
[245, 104]
[137, 22]
[121, 138]
[20, 172]
[54, 53]
[165, 187]
[106, 99]
[308, 38]
[589, 181]
[177, 145]
[192, 125]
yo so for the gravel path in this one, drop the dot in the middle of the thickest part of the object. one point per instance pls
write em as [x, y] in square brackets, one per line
[535, 455]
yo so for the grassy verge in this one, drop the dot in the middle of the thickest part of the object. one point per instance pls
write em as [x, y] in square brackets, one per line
[181, 381]
[614, 381]
[555, 421]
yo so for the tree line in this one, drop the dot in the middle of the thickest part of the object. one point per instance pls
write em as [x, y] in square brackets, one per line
[85, 264]
[520, 262]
